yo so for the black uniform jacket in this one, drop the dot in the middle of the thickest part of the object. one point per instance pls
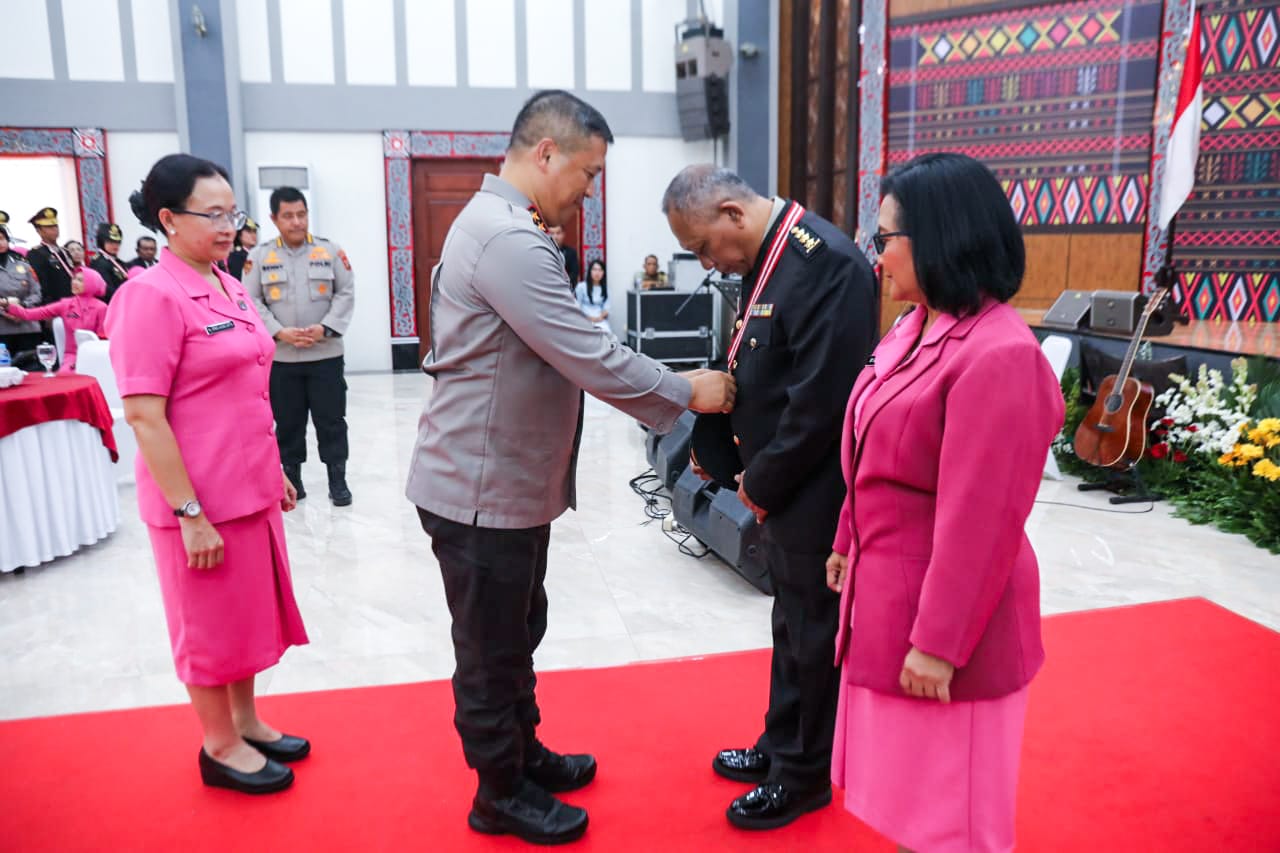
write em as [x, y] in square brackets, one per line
[55, 283]
[807, 338]
[114, 274]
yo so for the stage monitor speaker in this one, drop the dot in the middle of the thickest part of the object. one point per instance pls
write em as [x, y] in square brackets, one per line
[668, 454]
[1118, 311]
[720, 521]
[1070, 310]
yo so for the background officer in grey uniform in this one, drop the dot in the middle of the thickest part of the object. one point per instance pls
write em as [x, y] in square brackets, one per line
[18, 282]
[303, 287]
[498, 445]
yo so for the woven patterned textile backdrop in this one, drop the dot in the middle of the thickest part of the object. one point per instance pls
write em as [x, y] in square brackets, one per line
[1227, 237]
[1057, 99]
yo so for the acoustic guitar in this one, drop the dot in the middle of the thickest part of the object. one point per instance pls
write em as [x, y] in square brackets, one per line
[1114, 432]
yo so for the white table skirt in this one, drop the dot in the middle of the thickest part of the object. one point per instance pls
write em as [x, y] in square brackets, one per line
[57, 492]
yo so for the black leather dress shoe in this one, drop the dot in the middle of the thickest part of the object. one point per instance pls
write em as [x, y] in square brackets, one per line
[742, 765]
[772, 805]
[558, 773]
[531, 814]
[273, 777]
[286, 748]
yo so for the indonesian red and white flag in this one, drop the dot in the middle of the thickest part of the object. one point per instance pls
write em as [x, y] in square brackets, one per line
[1184, 137]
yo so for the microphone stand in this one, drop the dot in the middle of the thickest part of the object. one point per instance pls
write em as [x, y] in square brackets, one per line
[1167, 276]
[709, 283]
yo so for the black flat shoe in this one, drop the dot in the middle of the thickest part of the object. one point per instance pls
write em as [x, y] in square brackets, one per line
[271, 778]
[558, 773]
[772, 805]
[287, 748]
[531, 814]
[742, 765]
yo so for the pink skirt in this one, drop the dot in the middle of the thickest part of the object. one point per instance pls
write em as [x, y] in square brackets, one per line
[933, 778]
[233, 621]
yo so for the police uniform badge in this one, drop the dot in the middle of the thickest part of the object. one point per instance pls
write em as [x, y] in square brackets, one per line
[275, 293]
[761, 309]
[537, 219]
[342, 256]
[805, 240]
[248, 265]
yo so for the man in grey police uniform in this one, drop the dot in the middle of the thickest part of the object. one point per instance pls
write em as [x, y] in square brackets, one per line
[303, 287]
[498, 444]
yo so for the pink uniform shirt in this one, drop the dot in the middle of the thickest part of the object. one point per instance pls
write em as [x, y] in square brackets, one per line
[174, 336]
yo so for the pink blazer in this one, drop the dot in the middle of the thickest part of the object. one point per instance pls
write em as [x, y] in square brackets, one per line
[86, 311]
[173, 336]
[939, 489]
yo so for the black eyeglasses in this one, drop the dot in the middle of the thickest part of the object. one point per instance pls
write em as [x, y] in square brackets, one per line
[880, 238]
[235, 218]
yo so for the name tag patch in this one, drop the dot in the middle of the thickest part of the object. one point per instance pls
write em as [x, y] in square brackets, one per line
[762, 309]
[214, 328]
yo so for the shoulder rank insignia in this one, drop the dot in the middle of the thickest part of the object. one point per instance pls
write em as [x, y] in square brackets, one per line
[805, 240]
[537, 219]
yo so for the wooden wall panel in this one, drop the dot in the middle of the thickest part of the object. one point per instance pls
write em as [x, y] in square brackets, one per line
[1046, 277]
[1105, 262]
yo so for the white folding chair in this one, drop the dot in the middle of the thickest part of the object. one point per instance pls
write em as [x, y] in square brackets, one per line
[1057, 349]
[59, 337]
[93, 359]
[83, 335]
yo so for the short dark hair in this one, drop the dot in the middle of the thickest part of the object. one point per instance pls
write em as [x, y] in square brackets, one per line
[647, 257]
[560, 116]
[169, 185]
[142, 240]
[286, 195]
[965, 242]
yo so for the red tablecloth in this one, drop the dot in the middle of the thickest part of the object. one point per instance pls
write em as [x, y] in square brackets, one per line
[69, 397]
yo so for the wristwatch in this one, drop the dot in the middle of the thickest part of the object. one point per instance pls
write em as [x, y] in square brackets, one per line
[190, 509]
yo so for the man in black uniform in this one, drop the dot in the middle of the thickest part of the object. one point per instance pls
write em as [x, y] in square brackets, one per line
[146, 248]
[52, 264]
[569, 254]
[806, 325]
[107, 263]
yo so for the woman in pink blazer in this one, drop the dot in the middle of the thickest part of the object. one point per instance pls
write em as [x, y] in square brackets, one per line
[193, 359]
[84, 309]
[945, 438]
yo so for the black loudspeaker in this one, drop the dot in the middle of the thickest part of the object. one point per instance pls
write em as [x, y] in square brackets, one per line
[668, 454]
[1070, 310]
[720, 521]
[1118, 311]
[704, 107]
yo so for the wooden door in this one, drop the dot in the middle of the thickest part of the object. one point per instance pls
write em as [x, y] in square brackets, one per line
[441, 188]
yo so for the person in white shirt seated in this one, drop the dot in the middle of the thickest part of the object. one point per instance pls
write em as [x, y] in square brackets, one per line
[593, 296]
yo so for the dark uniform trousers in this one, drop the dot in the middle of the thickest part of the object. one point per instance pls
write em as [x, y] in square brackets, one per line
[320, 388]
[803, 682]
[493, 583]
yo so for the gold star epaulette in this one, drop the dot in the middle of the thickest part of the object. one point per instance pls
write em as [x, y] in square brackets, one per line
[805, 240]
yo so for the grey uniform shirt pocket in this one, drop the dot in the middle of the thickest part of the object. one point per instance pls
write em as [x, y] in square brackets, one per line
[320, 281]
[275, 283]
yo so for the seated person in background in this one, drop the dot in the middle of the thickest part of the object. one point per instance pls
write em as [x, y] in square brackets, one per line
[651, 278]
[84, 309]
[593, 296]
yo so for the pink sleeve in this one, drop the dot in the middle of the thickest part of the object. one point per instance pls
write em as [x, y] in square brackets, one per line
[42, 312]
[1001, 415]
[146, 330]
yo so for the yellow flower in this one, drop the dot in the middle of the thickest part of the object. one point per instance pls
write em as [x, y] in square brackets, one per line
[1267, 469]
[1249, 451]
[1269, 425]
[1243, 428]
[1259, 435]
[1228, 458]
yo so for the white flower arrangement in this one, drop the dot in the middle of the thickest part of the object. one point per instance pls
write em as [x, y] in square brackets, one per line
[1205, 417]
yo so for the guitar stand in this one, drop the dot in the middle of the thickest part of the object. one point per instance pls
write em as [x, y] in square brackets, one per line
[1121, 481]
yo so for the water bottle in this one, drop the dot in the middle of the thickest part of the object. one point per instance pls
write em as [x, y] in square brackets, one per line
[5, 361]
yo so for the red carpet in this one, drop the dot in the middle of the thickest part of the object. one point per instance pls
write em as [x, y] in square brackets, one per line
[1151, 728]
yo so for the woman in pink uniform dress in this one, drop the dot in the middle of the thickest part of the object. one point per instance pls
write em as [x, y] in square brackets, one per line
[945, 438]
[84, 309]
[193, 359]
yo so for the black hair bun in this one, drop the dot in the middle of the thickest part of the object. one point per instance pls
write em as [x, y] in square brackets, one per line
[138, 204]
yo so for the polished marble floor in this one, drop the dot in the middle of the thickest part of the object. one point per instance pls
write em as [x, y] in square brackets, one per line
[86, 632]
